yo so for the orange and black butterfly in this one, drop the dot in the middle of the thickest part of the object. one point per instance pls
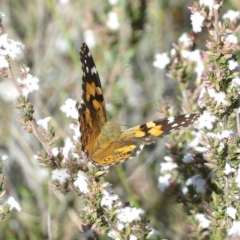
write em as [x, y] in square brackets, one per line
[103, 141]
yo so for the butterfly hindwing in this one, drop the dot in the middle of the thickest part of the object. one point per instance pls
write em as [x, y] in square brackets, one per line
[147, 132]
[92, 113]
[118, 152]
[131, 141]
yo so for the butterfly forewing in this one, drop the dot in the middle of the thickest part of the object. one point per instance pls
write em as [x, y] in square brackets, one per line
[92, 113]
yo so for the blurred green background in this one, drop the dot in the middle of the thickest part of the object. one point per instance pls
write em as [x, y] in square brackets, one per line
[124, 38]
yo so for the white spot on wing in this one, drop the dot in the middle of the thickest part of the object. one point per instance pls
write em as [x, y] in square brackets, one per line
[170, 120]
[87, 69]
[174, 125]
[93, 70]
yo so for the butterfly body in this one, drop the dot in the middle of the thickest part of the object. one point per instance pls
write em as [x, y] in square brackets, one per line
[103, 141]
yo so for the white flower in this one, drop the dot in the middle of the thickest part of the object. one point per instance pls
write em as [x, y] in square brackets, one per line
[76, 131]
[82, 182]
[14, 48]
[3, 44]
[133, 237]
[113, 2]
[228, 169]
[60, 175]
[173, 52]
[235, 230]
[61, 45]
[194, 56]
[226, 134]
[197, 22]
[232, 15]
[201, 149]
[167, 166]
[164, 181]
[153, 232]
[187, 158]
[2, 15]
[197, 182]
[70, 108]
[64, 1]
[184, 190]
[184, 38]
[231, 212]
[13, 204]
[208, 3]
[109, 107]
[9, 47]
[68, 146]
[220, 97]
[168, 158]
[201, 103]
[236, 82]
[55, 151]
[237, 179]
[30, 84]
[162, 60]
[4, 157]
[232, 64]
[108, 199]
[203, 221]
[231, 38]
[216, 6]
[113, 234]
[195, 143]
[112, 21]
[89, 38]
[7, 91]
[3, 62]
[206, 120]
[120, 226]
[44, 122]
[129, 214]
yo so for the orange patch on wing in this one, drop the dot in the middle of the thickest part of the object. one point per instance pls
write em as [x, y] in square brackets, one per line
[87, 95]
[96, 104]
[99, 91]
[91, 88]
[88, 117]
[150, 124]
[126, 148]
[156, 131]
[139, 134]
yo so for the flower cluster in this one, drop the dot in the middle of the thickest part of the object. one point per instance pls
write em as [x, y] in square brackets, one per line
[7, 204]
[214, 152]
[219, 99]
[71, 171]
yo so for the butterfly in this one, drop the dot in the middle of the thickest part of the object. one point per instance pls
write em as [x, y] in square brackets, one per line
[103, 141]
